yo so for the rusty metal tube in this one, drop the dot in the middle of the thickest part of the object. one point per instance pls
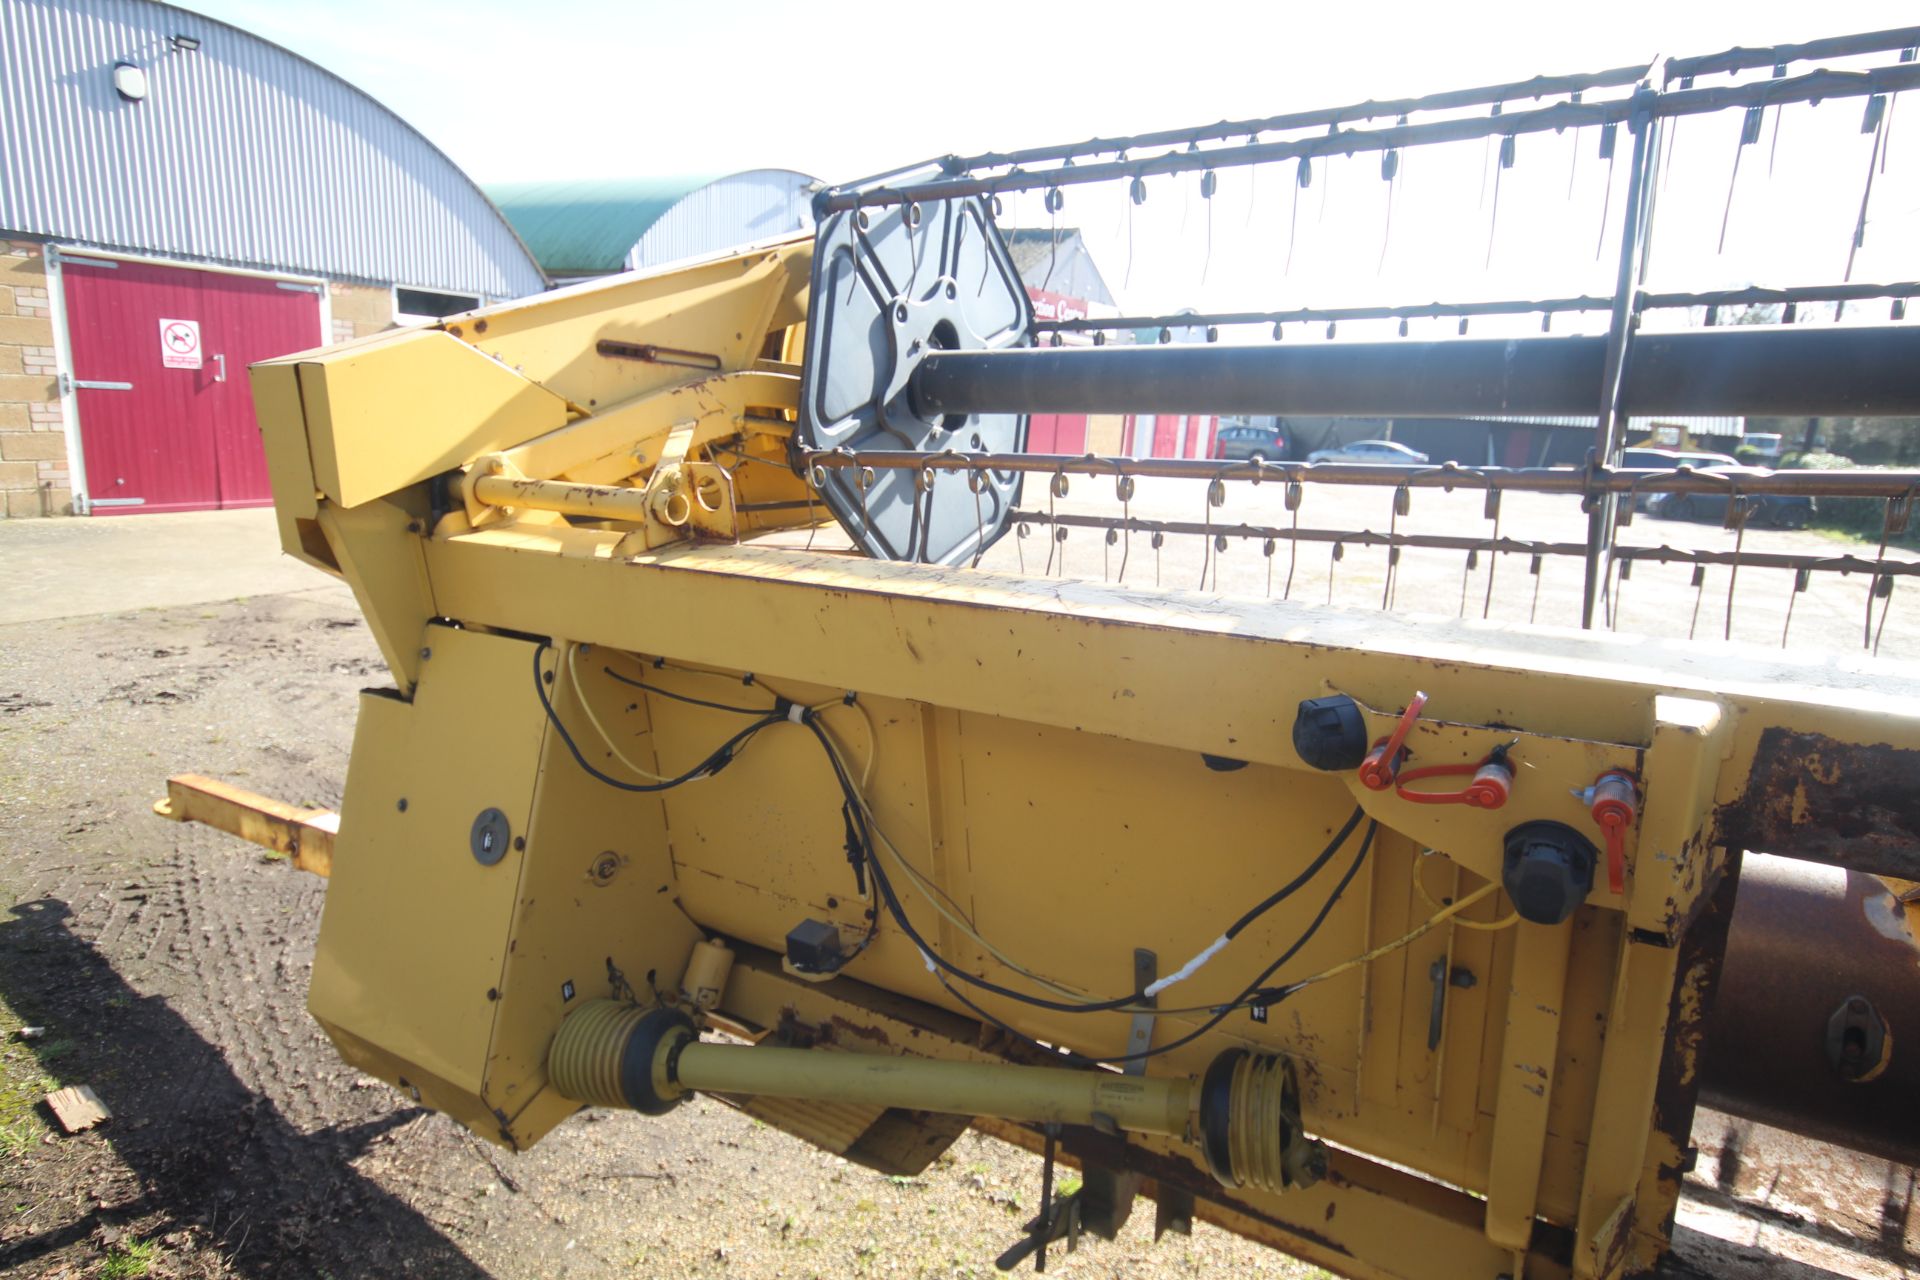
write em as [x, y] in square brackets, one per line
[1806, 940]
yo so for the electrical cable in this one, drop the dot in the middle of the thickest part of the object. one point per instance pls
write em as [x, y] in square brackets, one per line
[586, 705]
[861, 833]
[1076, 1003]
[848, 699]
[1129, 1003]
[1252, 996]
[1439, 917]
[715, 761]
[681, 697]
[1487, 926]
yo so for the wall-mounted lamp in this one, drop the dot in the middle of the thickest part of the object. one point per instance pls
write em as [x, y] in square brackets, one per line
[129, 81]
[186, 44]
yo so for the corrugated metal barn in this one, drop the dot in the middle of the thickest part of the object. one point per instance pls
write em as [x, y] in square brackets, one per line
[594, 227]
[178, 199]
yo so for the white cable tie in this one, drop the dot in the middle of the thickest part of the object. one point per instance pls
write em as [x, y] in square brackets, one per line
[927, 957]
[1188, 969]
[797, 713]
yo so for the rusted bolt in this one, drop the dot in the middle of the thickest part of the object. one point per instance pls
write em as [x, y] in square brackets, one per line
[479, 326]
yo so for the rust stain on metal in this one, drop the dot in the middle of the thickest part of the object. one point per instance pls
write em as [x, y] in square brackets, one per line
[1817, 798]
[1702, 957]
[837, 1026]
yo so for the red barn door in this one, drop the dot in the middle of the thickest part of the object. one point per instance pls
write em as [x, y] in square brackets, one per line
[160, 358]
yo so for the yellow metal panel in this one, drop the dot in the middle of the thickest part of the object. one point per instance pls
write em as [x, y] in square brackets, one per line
[283, 436]
[1527, 1059]
[384, 415]
[596, 889]
[378, 548]
[406, 996]
[721, 309]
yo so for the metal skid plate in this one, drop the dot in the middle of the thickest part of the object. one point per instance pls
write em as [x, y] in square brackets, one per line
[889, 286]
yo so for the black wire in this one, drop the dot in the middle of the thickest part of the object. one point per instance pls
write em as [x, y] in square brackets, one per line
[715, 761]
[861, 832]
[698, 702]
[891, 899]
[1253, 995]
[894, 909]
[1288, 890]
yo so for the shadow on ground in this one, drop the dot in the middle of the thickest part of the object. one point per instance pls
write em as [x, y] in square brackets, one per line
[190, 1146]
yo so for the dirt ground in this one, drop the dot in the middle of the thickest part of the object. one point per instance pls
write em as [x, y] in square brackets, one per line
[168, 968]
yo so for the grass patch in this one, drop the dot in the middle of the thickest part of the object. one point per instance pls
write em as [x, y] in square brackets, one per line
[129, 1261]
[25, 1079]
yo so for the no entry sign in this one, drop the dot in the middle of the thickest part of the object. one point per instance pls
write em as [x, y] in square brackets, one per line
[180, 344]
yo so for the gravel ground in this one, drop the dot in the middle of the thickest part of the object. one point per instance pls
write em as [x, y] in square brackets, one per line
[168, 965]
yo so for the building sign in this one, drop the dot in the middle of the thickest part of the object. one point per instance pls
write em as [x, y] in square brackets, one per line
[180, 344]
[1054, 306]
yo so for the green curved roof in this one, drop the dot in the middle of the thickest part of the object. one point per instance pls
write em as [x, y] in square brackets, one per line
[587, 226]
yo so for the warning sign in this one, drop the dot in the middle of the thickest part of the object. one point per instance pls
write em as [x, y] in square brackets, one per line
[180, 344]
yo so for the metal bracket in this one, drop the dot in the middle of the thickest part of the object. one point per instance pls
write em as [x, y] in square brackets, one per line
[1146, 968]
[1057, 1218]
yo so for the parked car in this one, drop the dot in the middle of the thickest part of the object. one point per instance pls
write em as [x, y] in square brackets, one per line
[1369, 451]
[1780, 510]
[1239, 439]
[1666, 460]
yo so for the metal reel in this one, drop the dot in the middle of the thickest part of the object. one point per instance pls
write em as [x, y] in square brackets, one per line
[890, 286]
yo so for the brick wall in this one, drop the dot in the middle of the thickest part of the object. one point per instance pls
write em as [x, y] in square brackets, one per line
[34, 477]
[359, 310]
[33, 449]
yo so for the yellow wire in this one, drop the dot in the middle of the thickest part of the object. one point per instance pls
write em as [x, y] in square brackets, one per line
[586, 705]
[1439, 917]
[1420, 883]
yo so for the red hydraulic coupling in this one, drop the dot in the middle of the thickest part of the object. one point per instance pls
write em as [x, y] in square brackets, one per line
[1382, 765]
[1614, 802]
[1489, 788]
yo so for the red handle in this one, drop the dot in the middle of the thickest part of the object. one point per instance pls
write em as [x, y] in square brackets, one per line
[1382, 764]
[1616, 803]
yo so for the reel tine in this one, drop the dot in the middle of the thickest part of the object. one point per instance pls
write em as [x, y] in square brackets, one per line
[1493, 554]
[1339, 553]
[1801, 578]
[1699, 590]
[1737, 512]
[1534, 569]
[1885, 590]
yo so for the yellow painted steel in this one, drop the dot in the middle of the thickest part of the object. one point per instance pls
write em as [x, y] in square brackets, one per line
[1034, 751]
[1041, 1094]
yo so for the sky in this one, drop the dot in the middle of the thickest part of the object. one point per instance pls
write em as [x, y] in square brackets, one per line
[594, 88]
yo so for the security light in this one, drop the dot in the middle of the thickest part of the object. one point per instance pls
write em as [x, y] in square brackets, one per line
[186, 43]
[129, 81]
